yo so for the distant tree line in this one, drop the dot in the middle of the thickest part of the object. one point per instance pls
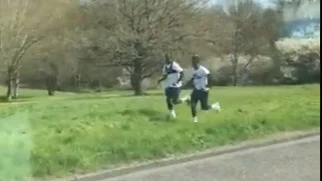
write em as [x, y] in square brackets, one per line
[115, 44]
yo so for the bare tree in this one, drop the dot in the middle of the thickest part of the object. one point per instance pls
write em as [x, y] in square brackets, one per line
[274, 19]
[300, 60]
[49, 59]
[139, 32]
[241, 33]
[24, 23]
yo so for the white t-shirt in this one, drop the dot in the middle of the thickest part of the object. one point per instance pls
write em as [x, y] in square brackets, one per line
[200, 77]
[172, 71]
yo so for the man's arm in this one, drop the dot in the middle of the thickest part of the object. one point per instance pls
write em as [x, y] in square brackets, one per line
[209, 79]
[164, 75]
[179, 69]
[180, 76]
[207, 73]
[162, 79]
[189, 83]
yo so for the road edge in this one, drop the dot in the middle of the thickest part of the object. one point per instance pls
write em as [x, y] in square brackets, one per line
[267, 141]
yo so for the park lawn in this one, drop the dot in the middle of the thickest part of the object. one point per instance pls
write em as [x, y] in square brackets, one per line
[49, 137]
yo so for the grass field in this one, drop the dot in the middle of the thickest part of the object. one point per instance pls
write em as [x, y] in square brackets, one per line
[44, 136]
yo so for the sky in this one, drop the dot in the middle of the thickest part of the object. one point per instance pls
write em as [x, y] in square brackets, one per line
[264, 3]
[307, 10]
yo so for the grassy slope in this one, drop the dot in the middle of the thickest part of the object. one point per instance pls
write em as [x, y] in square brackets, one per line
[71, 133]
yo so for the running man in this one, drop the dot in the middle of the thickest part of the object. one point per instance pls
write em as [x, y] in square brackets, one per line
[173, 74]
[200, 76]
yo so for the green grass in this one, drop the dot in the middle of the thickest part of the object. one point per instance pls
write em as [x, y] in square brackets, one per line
[57, 136]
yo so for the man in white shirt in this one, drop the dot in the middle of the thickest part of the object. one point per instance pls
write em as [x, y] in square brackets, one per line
[172, 74]
[200, 76]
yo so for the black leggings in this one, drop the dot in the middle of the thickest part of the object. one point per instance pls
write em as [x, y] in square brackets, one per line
[172, 96]
[196, 96]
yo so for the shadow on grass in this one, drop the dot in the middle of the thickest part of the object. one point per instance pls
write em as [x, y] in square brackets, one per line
[152, 115]
[107, 96]
[81, 97]
[3, 99]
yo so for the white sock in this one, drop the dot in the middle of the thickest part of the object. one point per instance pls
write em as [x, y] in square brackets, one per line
[195, 119]
[185, 98]
[172, 114]
[216, 106]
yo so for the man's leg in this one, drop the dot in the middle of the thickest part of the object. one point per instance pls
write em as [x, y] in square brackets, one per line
[169, 98]
[193, 104]
[204, 101]
[204, 96]
[177, 99]
[176, 95]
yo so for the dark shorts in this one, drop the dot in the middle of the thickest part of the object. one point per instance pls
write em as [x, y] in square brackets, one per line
[202, 96]
[172, 93]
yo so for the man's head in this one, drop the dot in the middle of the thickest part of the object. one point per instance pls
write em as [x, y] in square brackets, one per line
[167, 59]
[195, 61]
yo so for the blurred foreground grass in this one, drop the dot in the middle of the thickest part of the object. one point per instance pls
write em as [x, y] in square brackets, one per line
[57, 136]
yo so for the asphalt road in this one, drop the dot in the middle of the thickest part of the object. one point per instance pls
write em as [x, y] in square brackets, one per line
[292, 161]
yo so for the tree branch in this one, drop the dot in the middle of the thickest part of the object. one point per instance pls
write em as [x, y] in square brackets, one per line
[147, 75]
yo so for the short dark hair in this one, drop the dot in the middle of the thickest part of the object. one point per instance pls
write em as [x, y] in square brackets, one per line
[168, 57]
[196, 58]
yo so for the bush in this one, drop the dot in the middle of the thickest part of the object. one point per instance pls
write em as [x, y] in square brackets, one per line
[256, 73]
[300, 60]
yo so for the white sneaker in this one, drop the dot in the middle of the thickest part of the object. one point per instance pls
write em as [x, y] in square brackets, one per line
[172, 114]
[216, 107]
[186, 99]
[195, 119]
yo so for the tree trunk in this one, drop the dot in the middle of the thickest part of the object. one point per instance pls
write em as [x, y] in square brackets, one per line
[9, 84]
[136, 84]
[16, 84]
[136, 78]
[235, 79]
[52, 79]
[9, 90]
[77, 81]
[235, 73]
[51, 83]
[235, 57]
[51, 92]
[276, 73]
